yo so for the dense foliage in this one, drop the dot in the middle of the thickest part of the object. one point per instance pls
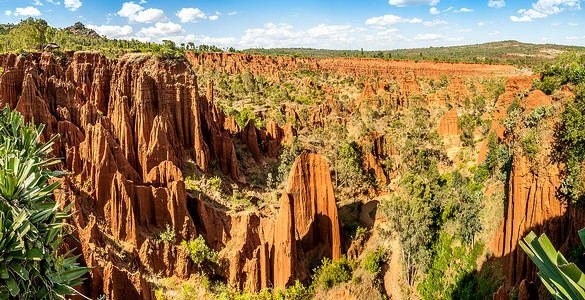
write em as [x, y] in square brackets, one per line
[570, 134]
[32, 224]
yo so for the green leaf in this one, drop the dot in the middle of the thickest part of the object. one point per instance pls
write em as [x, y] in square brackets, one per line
[19, 270]
[12, 286]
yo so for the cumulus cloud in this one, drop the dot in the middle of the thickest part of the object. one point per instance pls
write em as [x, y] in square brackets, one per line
[162, 29]
[497, 3]
[386, 35]
[285, 35]
[434, 11]
[545, 8]
[463, 10]
[137, 13]
[402, 3]
[386, 20]
[232, 13]
[435, 23]
[434, 37]
[114, 32]
[213, 18]
[73, 5]
[8, 13]
[428, 37]
[190, 15]
[521, 19]
[27, 11]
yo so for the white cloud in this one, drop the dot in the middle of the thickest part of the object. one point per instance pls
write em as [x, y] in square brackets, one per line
[434, 37]
[38, 3]
[27, 11]
[480, 23]
[8, 13]
[435, 23]
[232, 13]
[129, 9]
[73, 5]
[136, 13]
[386, 20]
[213, 18]
[335, 32]
[494, 33]
[114, 32]
[358, 29]
[190, 14]
[150, 15]
[142, 2]
[545, 8]
[572, 24]
[162, 29]
[434, 11]
[402, 3]
[463, 10]
[521, 19]
[574, 37]
[555, 24]
[497, 3]
[464, 30]
[428, 37]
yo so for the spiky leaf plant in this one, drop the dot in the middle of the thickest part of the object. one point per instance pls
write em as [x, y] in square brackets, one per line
[563, 279]
[32, 226]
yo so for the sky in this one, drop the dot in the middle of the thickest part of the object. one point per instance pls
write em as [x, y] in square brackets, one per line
[340, 24]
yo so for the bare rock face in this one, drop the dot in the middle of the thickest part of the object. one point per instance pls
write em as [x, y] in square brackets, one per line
[448, 124]
[120, 284]
[125, 127]
[250, 138]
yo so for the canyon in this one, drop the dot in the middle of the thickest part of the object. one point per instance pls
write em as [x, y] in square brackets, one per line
[130, 128]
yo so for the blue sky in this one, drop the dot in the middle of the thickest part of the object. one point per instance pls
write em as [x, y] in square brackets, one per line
[341, 24]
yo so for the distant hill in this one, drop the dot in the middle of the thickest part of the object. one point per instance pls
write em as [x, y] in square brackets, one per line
[79, 29]
[510, 52]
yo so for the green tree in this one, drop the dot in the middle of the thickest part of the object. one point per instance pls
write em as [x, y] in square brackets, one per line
[32, 227]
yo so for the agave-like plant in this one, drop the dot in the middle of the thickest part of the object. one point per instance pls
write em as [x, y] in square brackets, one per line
[32, 226]
[563, 279]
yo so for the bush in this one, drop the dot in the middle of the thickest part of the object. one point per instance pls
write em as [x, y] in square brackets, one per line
[166, 236]
[32, 227]
[330, 272]
[200, 252]
[374, 260]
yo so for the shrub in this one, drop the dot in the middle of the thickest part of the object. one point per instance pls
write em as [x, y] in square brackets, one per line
[166, 236]
[32, 227]
[374, 260]
[330, 272]
[200, 252]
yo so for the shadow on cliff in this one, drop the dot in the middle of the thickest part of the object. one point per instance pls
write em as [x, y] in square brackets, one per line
[509, 271]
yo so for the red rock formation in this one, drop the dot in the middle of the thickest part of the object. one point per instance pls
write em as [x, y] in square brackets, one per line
[120, 284]
[125, 131]
[448, 125]
[457, 91]
[250, 138]
[315, 213]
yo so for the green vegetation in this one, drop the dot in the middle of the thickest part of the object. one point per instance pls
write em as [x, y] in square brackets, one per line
[564, 280]
[331, 272]
[200, 252]
[373, 260]
[570, 134]
[32, 227]
[166, 236]
[509, 52]
[451, 273]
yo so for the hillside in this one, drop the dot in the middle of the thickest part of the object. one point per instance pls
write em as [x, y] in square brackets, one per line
[508, 52]
[214, 175]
